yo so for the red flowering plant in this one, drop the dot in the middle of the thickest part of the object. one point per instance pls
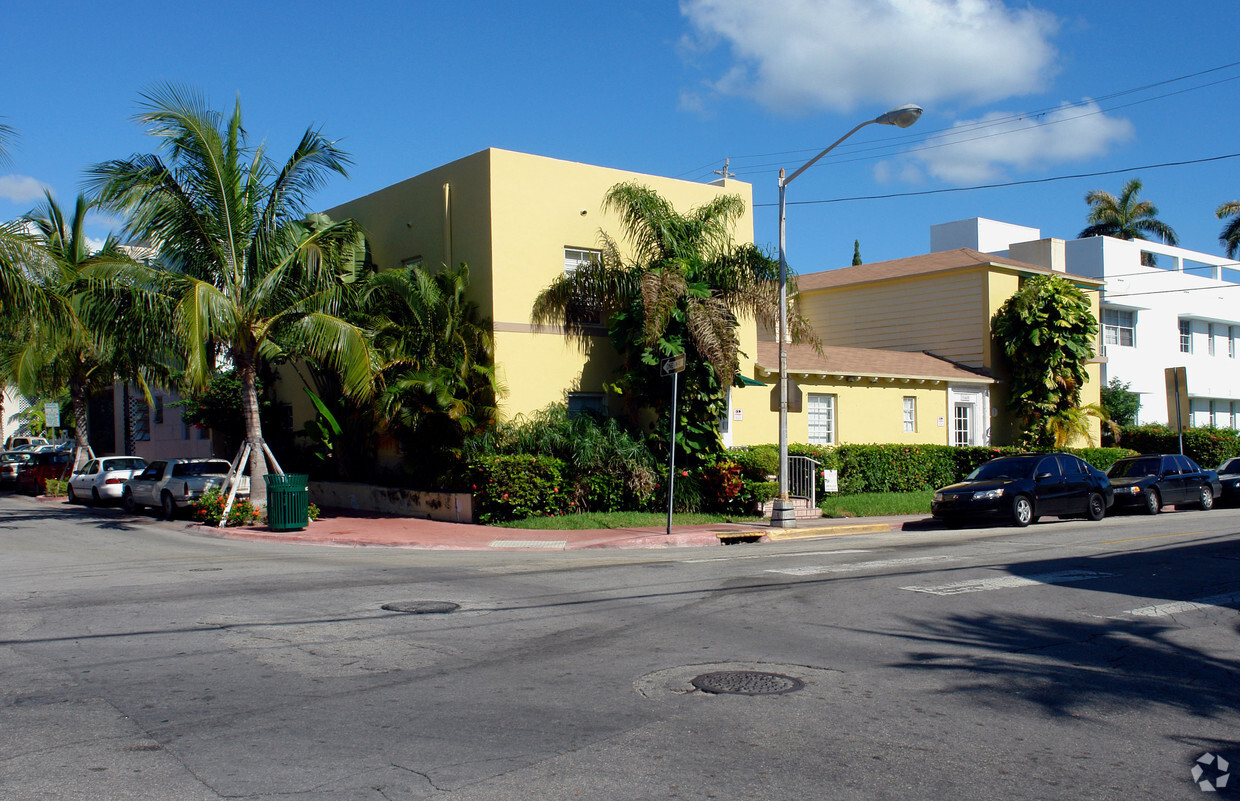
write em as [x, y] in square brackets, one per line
[209, 509]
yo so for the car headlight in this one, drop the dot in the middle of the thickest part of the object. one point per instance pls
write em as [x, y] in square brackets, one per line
[938, 497]
[1132, 490]
[988, 495]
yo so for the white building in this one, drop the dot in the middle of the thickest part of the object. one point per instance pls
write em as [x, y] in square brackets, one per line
[1184, 311]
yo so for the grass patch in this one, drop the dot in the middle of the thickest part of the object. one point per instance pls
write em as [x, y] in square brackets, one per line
[622, 520]
[874, 504]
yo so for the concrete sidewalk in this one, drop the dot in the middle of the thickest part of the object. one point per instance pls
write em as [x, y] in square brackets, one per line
[406, 532]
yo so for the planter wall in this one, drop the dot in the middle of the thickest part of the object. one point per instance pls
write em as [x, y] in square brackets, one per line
[452, 507]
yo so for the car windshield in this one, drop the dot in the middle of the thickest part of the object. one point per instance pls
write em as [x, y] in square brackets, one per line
[1002, 468]
[211, 468]
[1230, 466]
[1133, 468]
[124, 464]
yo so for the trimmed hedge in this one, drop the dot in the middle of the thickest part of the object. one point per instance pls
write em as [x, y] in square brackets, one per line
[511, 487]
[1208, 447]
[912, 468]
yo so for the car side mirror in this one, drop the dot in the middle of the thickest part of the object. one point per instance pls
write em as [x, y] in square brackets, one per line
[1043, 475]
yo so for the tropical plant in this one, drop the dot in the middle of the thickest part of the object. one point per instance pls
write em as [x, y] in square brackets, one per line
[681, 291]
[436, 376]
[240, 273]
[1046, 330]
[1120, 402]
[1125, 217]
[41, 355]
[1071, 424]
[1229, 238]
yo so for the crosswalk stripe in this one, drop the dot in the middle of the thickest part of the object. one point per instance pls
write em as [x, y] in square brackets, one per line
[1008, 582]
[1176, 607]
[791, 555]
[880, 564]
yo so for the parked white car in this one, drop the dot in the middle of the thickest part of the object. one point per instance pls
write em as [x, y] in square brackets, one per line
[173, 484]
[104, 479]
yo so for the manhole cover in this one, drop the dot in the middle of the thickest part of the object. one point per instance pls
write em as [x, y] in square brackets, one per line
[422, 607]
[747, 682]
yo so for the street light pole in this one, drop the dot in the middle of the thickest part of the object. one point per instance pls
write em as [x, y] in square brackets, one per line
[782, 514]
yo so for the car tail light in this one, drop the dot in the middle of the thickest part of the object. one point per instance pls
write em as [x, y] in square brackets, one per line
[114, 481]
[186, 490]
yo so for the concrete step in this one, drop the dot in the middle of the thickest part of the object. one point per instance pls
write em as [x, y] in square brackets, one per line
[800, 508]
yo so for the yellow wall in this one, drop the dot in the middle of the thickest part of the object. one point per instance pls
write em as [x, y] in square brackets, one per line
[510, 215]
[865, 412]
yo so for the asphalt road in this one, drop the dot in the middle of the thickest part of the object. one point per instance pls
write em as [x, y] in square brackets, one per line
[1069, 660]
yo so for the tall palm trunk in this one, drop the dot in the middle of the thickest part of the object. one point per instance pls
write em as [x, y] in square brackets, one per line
[81, 422]
[253, 433]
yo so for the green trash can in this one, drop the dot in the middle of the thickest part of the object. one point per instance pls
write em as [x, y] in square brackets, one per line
[288, 501]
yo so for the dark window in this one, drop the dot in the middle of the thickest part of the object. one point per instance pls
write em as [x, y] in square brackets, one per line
[1186, 465]
[1049, 465]
[1073, 466]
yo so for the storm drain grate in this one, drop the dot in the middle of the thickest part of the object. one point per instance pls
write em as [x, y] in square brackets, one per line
[422, 607]
[747, 682]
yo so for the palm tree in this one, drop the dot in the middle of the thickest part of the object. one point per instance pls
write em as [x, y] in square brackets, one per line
[1126, 217]
[241, 272]
[1230, 236]
[682, 291]
[43, 356]
[437, 377]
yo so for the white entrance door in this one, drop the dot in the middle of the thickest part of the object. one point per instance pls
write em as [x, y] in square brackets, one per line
[963, 425]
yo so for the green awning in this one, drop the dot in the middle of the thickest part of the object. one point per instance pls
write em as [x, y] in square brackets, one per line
[748, 382]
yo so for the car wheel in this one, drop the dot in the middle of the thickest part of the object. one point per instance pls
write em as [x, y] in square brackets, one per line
[1022, 511]
[1207, 498]
[1096, 508]
[167, 505]
[1153, 503]
[94, 496]
[73, 498]
[127, 501]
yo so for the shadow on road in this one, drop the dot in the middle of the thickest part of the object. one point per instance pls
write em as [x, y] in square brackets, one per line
[1142, 654]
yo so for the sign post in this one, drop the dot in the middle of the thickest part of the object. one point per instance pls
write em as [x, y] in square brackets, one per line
[1177, 400]
[673, 366]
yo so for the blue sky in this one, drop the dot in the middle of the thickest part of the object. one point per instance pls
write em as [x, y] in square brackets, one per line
[1061, 88]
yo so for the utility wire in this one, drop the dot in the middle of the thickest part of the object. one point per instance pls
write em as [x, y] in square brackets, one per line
[1028, 182]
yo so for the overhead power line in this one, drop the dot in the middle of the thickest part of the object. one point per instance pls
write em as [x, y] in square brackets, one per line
[975, 187]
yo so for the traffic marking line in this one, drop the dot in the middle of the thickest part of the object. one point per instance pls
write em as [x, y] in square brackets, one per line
[1176, 607]
[1153, 537]
[1009, 582]
[880, 564]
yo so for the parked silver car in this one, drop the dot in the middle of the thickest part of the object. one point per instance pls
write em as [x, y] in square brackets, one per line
[104, 479]
[173, 484]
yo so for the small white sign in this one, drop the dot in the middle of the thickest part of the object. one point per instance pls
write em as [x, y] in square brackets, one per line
[831, 480]
[51, 415]
[738, 414]
[942, 422]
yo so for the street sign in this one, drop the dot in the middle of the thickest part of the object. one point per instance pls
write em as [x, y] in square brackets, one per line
[51, 415]
[794, 397]
[1177, 398]
[672, 365]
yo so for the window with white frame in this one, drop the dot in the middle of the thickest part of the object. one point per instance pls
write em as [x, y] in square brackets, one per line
[1186, 336]
[1210, 338]
[910, 415]
[821, 414]
[1233, 333]
[1118, 327]
[579, 257]
[1235, 415]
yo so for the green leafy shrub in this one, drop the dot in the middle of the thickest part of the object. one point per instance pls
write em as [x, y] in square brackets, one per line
[54, 487]
[723, 486]
[756, 462]
[209, 509]
[514, 486]
[1208, 446]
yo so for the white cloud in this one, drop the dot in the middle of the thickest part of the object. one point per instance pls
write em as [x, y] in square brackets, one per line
[20, 188]
[798, 55]
[984, 149]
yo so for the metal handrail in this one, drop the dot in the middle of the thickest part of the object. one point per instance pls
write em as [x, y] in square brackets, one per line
[803, 478]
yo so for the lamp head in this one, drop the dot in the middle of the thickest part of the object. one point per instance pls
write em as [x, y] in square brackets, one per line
[901, 117]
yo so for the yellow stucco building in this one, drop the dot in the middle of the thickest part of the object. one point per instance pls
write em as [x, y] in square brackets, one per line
[908, 355]
[938, 305]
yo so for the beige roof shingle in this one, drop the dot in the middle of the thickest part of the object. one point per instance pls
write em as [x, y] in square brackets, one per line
[942, 261]
[866, 362]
